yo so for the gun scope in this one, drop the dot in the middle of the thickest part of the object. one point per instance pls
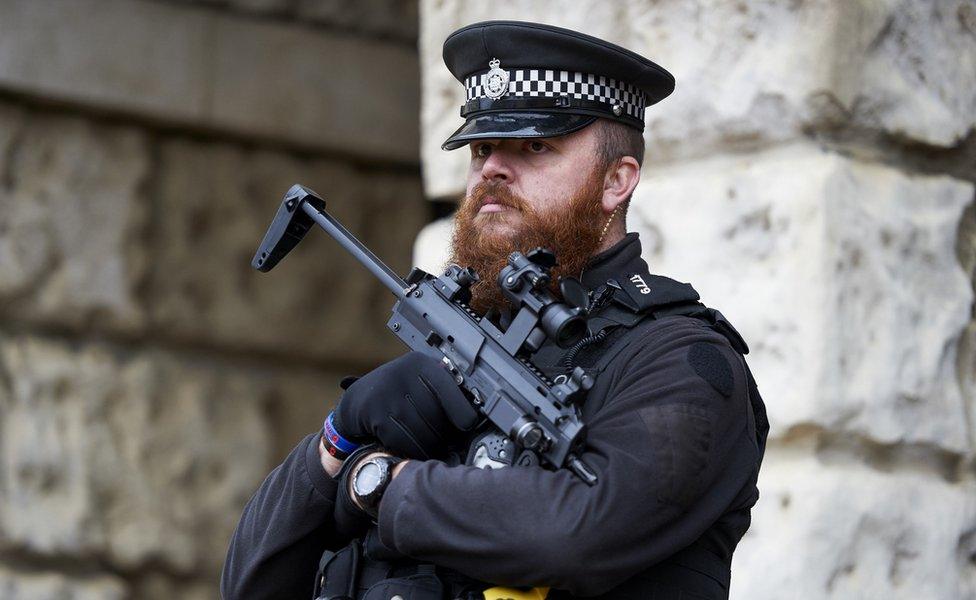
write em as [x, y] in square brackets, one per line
[525, 282]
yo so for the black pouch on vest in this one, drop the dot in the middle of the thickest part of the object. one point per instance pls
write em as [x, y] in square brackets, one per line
[338, 574]
[420, 586]
[350, 575]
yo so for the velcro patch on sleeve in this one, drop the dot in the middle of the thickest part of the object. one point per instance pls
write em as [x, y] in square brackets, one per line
[712, 366]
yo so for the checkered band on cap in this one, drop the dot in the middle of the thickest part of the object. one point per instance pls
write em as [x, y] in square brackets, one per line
[542, 83]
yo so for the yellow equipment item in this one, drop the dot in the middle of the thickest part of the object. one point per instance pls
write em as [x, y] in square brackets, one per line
[505, 593]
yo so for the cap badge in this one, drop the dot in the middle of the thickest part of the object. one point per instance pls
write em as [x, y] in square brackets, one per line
[496, 80]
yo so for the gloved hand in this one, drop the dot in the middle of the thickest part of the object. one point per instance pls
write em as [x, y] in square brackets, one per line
[410, 405]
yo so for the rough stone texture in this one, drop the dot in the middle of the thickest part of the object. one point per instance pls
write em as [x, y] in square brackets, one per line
[826, 530]
[210, 69]
[156, 587]
[432, 250]
[749, 73]
[217, 203]
[73, 209]
[149, 378]
[52, 585]
[338, 93]
[98, 234]
[136, 458]
[841, 274]
[966, 251]
[272, 7]
[395, 18]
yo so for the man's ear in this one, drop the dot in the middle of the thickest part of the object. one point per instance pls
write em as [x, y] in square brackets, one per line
[619, 183]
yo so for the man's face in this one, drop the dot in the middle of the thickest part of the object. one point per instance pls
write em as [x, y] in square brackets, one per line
[525, 193]
[545, 173]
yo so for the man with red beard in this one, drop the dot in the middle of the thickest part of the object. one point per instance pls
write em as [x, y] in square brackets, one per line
[407, 494]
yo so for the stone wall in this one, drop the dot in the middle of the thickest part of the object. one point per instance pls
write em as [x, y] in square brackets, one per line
[812, 175]
[149, 378]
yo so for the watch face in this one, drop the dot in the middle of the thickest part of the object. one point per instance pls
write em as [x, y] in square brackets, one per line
[368, 478]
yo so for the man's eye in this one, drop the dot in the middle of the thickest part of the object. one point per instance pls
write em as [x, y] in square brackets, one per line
[536, 147]
[482, 150]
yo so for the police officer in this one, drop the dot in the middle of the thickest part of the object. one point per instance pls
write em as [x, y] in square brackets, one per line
[406, 494]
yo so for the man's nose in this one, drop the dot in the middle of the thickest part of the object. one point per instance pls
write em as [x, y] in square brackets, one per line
[496, 167]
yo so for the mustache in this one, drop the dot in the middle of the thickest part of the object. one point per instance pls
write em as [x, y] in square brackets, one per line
[498, 192]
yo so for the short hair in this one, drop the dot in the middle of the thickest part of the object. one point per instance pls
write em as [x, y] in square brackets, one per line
[615, 141]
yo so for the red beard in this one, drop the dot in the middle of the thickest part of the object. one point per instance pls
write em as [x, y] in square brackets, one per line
[573, 234]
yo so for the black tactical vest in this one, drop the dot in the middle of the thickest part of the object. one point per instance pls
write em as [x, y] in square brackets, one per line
[638, 299]
[632, 300]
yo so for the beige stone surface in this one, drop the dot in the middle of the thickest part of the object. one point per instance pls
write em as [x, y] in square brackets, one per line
[748, 73]
[218, 201]
[106, 229]
[432, 249]
[841, 275]
[203, 68]
[966, 251]
[767, 70]
[157, 587]
[149, 377]
[73, 211]
[261, 7]
[340, 93]
[52, 585]
[137, 457]
[143, 55]
[395, 18]
[827, 530]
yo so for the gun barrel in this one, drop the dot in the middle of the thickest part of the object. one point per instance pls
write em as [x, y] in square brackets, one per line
[364, 255]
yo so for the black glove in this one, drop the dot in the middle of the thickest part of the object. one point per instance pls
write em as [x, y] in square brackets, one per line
[410, 405]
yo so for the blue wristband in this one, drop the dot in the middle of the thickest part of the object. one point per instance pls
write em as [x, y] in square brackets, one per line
[334, 441]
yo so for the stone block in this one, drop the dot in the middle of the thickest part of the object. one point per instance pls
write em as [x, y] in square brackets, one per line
[767, 71]
[50, 585]
[154, 586]
[141, 56]
[432, 250]
[340, 93]
[846, 531]
[217, 202]
[136, 458]
[748, 73]
[262, 7]
[213, 69]
[73, 215]
[394, 18]
[842, 275]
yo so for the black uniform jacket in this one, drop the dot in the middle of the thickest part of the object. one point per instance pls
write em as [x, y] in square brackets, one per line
[670, 434]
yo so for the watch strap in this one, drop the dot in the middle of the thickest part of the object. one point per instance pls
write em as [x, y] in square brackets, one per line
[371, 502]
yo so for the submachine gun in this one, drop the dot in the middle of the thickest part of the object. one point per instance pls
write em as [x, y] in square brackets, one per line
[431, 315]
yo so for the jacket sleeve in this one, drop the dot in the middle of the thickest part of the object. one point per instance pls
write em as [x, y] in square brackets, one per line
[285, 527]
[672, 451]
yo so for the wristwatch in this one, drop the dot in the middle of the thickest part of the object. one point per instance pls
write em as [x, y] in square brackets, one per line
[371, 480]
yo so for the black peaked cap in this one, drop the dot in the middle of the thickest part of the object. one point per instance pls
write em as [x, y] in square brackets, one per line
[534, 56]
